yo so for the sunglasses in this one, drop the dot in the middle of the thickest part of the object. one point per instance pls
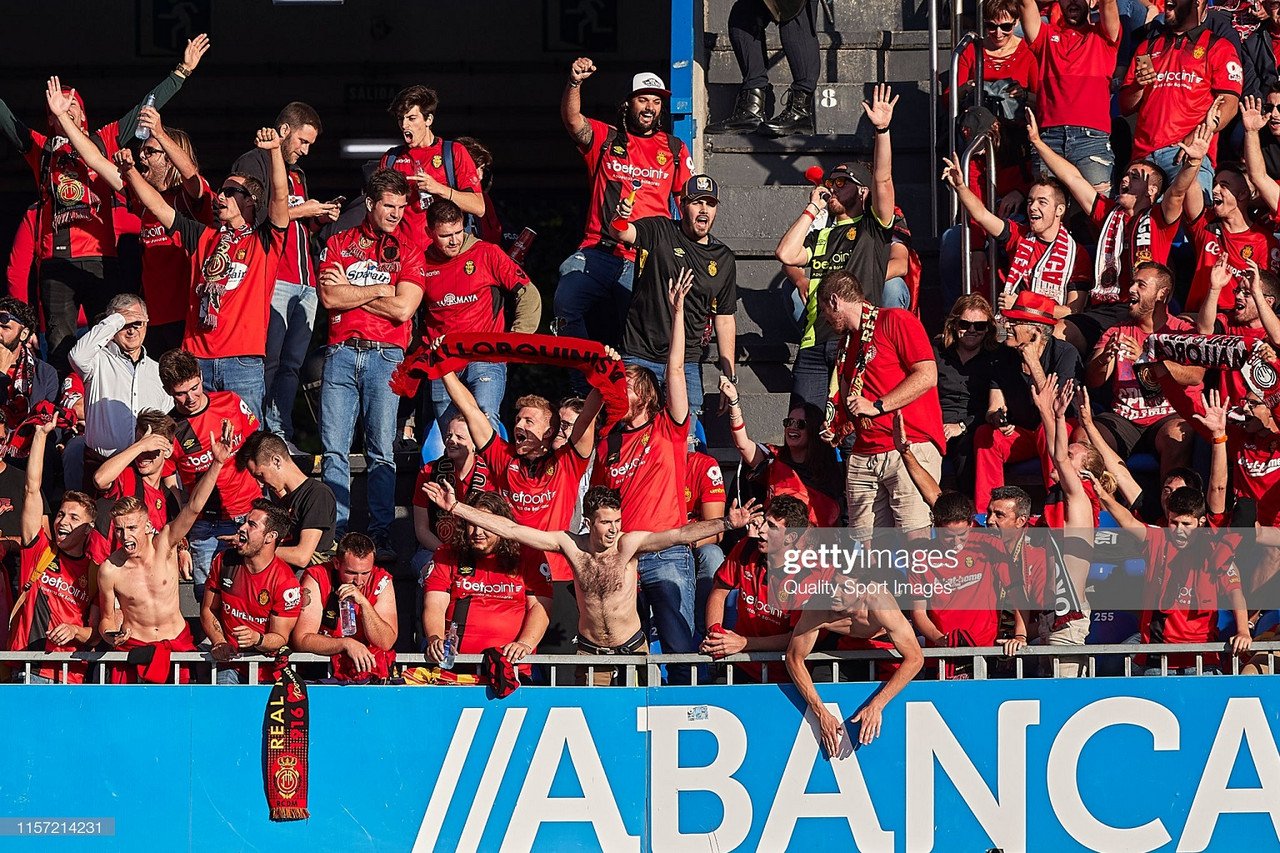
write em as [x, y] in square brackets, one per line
[6, 318]
[979, 326]
[1004, 28]
[233, 189]
[1267, 109]
[835, 183]
[150, 151]
[794, 423]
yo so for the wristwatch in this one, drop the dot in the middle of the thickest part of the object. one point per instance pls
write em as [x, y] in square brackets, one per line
[879, 406]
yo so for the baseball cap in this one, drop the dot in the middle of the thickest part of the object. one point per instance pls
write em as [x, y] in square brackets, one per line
[648, 83]
[701, 186]
[859, 173]
[1032, 307]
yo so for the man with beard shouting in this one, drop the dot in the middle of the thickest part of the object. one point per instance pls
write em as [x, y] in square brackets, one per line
[138, 584]
[637, 160]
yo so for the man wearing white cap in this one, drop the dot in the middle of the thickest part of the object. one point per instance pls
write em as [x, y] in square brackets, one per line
[636, 160]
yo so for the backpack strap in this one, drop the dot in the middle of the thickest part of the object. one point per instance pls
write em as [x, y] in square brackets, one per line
[469, 222]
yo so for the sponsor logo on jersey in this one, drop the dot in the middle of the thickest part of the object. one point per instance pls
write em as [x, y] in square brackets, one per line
[451, 299]
[531, 500]
[367, 274]
[292, 596]
[482, 588]
[631, 171]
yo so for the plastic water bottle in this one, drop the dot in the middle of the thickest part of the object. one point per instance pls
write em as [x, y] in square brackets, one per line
[450, 646]
[142, 132]
[347, 617]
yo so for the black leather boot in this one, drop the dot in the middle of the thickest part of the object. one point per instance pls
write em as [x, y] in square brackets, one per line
[798, 116]
[748, 113]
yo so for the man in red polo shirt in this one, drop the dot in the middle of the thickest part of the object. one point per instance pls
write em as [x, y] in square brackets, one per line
[76, 228]
[367, 654]
[1183, 75]
[1077, 60]
[253, 598]
[436, 168]
[887, 365]
[199, 415]
[371, 282]
[638, 160]
[233, 271]
[467, 280]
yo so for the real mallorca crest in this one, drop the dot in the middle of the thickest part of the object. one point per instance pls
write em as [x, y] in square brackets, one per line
[437, 161]
[1198, 53]
[712, 268]
[469, 267]
[662, 158]
[1246, 252]
[263, 598]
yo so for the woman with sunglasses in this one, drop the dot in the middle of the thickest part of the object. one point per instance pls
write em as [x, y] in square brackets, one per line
[965, 352]
[167, 161]
[1005, 56]
[804, 465]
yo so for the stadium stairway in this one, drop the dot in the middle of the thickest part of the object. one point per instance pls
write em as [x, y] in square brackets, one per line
[762, 184]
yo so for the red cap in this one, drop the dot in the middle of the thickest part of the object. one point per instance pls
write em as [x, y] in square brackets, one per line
[1032, 307]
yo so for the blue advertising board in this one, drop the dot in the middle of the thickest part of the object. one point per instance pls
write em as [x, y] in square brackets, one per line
[1095, 764]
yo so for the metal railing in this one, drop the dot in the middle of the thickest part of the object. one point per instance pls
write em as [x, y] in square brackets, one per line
[981, 144]
[940, 664]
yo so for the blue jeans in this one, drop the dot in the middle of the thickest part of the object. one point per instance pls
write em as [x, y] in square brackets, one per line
[895, 294]
[707, 560]
[692, 378]
[239, 373]
[293, 316]
[592, 281]
[1087, 149]
[949, 260]
[356, 384]
[667, 581]
[205, 545]
[487, 382]
[1164, 159]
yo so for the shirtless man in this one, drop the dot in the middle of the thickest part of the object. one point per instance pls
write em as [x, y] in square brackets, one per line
[604, 561]
[862, 610]
[138, 584]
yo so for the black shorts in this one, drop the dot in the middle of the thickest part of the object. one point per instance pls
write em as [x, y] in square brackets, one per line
[1094, 321]
[1131, 438]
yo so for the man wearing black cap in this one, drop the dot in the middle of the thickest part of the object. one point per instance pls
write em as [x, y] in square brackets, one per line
[666, 248]
[852, 241]
[637, 160]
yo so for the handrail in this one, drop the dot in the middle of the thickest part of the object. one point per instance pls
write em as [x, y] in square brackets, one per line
[933, 117]
[981, 142]
[953, 111]
[976, 655]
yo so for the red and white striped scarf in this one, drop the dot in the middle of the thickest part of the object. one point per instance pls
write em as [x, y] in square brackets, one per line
[1048, 276]
[1109, 263]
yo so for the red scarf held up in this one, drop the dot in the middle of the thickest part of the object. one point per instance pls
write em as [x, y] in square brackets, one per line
[285, 732]
[455, 351]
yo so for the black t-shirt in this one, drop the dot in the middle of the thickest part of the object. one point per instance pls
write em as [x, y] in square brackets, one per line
[963, 386]
[860, 246]
[1059, 359]
[663, 250]
[311, 506]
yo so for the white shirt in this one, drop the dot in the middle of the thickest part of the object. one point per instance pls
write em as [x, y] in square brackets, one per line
[115, 389]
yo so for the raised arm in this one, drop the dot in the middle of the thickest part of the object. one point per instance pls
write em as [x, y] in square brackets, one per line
[879, 111]
[1109, 18]
[278, 204]
[191, 183]
[113, 467]
[736, 518]
[504, 528]
[1031, 23]
[1125, 484]
[1181, 198]
[32, 499]
[1063, 169]
[1220, 278]
[923, 480]
[750, 452]
[147, 194]
[220, 448]
[571, 103]
[978, 212]
[1214, 421]
[1266, 312]
[60, 106]
[477, 421]
[168, 87]
[1252, 121]
[677, 385]
[583, 436]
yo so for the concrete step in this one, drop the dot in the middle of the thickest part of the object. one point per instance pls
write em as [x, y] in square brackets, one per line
[873, 59]
[838, 106]
[742, 166]
[847, 16]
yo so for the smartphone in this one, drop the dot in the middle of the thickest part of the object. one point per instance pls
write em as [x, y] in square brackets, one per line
[111, 636]
[340, 201]
[1142, 62]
